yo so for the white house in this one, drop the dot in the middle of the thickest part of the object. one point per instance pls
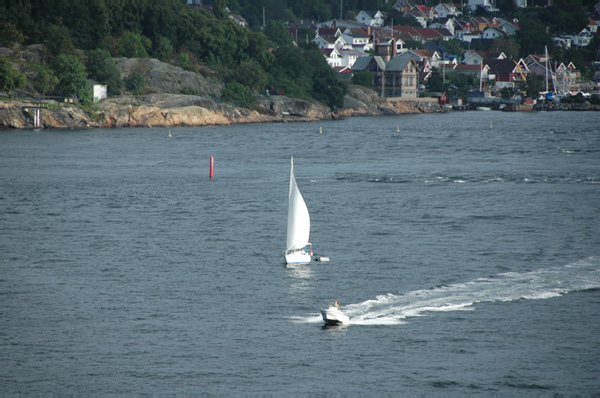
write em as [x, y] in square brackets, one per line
[371, 18]
[330, 42]
[487, 4]
[332, 56]
[357, 42]
[349, 57]
[446, 23]
[493, 33]
[445, 10]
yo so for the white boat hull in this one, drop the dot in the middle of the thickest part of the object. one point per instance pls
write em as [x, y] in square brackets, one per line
[333, 316]
[298, 257]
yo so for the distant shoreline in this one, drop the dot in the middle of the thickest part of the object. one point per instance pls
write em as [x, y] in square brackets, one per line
[171, 110]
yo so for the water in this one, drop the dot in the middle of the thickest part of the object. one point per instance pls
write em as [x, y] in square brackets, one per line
[467, 256]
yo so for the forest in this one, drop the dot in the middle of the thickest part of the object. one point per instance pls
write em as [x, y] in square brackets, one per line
[249, 60]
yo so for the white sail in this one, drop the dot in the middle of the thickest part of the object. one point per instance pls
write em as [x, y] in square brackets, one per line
[298, 227]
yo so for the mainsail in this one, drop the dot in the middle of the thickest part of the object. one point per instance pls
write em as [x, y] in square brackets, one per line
[298, 227]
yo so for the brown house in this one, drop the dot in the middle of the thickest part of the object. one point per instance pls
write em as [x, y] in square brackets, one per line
[393, 76]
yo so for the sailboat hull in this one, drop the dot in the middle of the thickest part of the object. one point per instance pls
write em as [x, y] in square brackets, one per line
[301, 256]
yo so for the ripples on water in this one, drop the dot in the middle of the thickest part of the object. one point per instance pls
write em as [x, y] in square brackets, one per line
[467, 257]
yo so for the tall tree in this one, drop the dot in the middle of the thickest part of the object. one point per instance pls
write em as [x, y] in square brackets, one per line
[71, 75]
[10, 78]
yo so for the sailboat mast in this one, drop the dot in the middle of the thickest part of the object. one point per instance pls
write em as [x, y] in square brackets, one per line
[546, 49]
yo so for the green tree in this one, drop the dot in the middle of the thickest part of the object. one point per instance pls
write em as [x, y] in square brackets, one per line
[277, 33]
[508, 46]
[250, 74]
[45, 81]
[533, 85]
[10, 35]
[134, 45]
[163, 49]
[10, 78]
[363, 78]
[71, 75]
[134, 83]
[436, 81]
[328, 89]
[102, 68]
[58, 40]
[238, 93]
[183, 60]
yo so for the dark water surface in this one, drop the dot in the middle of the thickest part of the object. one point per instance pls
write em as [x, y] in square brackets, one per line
[465, 248]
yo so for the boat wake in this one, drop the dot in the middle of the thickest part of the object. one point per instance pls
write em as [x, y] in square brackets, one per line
[394, 309]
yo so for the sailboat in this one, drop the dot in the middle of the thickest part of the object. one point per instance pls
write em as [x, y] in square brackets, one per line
[298, 249]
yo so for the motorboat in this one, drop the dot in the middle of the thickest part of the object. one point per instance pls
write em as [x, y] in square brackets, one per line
[333, 316]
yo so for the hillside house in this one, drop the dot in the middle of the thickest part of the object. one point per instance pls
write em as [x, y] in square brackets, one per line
[349, 57]
[445, 10]
[592, 26]
[506, 72]
[393, 76]
[423, 14]
[485, 4]
[474, 70]
[471, 57]
[357, 41]
[332, 56]
[446, 23]
[493, 33]
[330, 42]
[371, 18]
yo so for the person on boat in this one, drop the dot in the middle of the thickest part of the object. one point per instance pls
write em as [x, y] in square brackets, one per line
[336, 305]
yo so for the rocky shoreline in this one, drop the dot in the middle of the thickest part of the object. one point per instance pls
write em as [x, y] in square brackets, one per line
[172, 110]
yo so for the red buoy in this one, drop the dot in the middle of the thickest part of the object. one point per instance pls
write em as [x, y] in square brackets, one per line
[211, 167]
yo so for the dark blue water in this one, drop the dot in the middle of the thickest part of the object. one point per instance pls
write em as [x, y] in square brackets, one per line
[467, 254]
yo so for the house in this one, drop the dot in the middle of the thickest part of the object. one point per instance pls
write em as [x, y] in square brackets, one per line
[433, 57]
[445, 10]
[565, 77]
[330, 42]
[349, 57]
[510, 27]
[479, 24]
[332, 56]
[562, 42]
[446, 23]
[472, 57]
[393, 75]
[423, 14]
[485, 4]
[357, 41]
[461, 27]
[506, 72]
[476, 70]
[582, 39]
[493, 33]
[238, 19]
[592, 26]
[371, 18]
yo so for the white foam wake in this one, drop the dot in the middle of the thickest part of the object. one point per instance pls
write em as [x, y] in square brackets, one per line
[393, 309]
